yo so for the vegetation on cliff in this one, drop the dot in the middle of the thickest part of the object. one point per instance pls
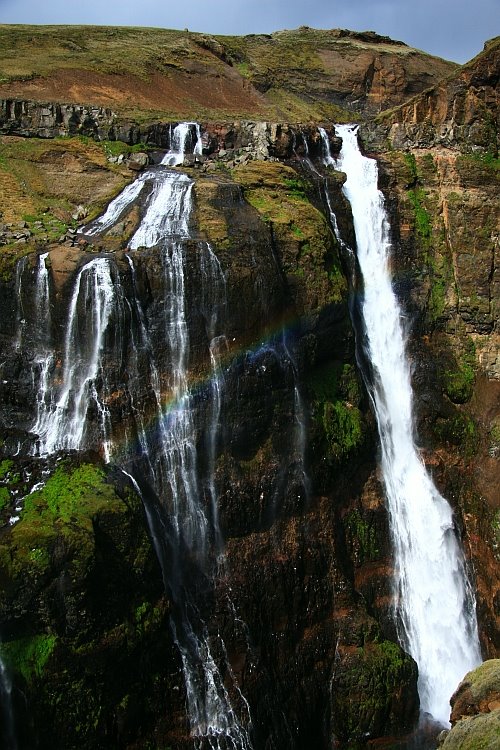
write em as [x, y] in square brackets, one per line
[150, 74]
[84, 614]
[81, 603]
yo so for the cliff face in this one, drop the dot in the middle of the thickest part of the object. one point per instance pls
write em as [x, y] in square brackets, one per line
[299, 612]
[292, 539]
[439, 159]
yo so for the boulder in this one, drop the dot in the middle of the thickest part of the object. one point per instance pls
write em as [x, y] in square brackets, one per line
[475, 714]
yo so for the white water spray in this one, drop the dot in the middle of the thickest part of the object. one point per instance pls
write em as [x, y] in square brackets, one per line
[62, 421]
[435, 606]
[178, 140]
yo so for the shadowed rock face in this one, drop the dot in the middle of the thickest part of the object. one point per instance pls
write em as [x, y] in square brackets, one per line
[304, 601]
[292, 546]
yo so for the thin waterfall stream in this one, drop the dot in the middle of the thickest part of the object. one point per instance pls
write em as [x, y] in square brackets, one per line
[435, 607]
[7, 730]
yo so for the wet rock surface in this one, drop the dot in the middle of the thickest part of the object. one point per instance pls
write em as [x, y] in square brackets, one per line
[304, 601]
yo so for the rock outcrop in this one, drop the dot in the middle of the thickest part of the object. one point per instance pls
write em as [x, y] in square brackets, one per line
[475, 715]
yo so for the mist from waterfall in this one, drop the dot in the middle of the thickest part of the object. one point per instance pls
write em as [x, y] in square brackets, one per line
[435, 607]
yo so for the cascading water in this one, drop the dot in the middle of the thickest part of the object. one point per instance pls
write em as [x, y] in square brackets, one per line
[183, 526]
[213, 302]
[20, 319]
[62, 417]
[178, 140]
[7, 729]
[44, 357]
[435, 606]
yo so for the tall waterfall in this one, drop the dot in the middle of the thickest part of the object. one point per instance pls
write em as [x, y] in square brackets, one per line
[435, 606]
[183, 519]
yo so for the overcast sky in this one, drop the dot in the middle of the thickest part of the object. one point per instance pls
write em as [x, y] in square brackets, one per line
[453, 29]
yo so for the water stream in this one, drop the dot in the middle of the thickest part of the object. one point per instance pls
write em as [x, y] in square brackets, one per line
[7, 728]
[435, 608]
[183, 518]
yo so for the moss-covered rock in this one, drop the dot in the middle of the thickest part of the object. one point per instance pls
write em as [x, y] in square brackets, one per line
[374, 687]
[479, 691]
[481, 732]
[475, 712]
[83, 615]
[340, 428]
[305, 244]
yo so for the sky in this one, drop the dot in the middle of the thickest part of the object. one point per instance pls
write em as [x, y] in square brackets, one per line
[453, 29]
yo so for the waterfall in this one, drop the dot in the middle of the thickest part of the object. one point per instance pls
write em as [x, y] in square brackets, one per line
[62, 419]
[299, 413]
[20, 319]
[44, 357]
[435, 606]
[178, 140]
[213, 301]
[183, 514]
[154, 180]
[7, 731]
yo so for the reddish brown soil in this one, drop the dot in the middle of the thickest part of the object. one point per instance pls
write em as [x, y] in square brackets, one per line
[195, 89]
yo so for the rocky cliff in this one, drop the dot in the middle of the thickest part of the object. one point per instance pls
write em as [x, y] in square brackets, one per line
[300, 614]
[439, 157]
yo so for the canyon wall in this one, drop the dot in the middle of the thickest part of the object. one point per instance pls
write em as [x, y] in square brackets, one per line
[300, 613]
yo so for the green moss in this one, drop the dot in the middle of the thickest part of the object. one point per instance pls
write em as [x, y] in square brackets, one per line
[64, 508]
[335, 393]
[342, 426]
[28, 656]
[335, 380]
[295, 188]
[8, 478]
[370, 678]
[279, 196]
[4, 497]
[458, 383]
[486, 160]
[147, 618]
[51, 227]
[411, 165]
[460, 430]
[423, 225]
[481, 732]
[69, 495]
[362, 536]
[5, 466]
[115, 148]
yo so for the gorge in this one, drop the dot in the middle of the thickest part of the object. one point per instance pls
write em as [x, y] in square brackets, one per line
[201, 546]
